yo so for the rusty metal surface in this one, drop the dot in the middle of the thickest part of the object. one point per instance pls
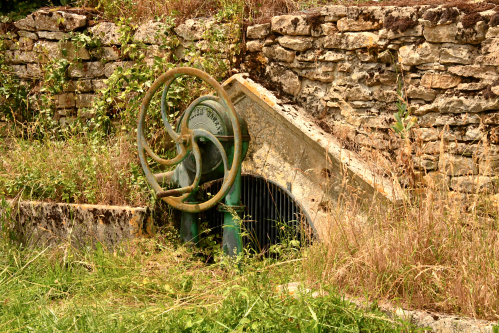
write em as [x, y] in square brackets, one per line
[186, 141]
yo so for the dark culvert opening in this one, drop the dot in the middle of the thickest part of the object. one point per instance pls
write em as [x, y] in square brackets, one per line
[271, 214]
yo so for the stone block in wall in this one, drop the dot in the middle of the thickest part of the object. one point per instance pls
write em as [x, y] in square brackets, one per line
[455, 165]
[109, 68]
[425, 162]
[437, 119]
[420, 92]
[288, 80]
[436, 179]
[194, 29]
[58, 20]
[98, 85]
[19, 71]
[27, 34]
[52, 35]
[416, 31]
[296, 43]
[23, 44]
[57, 50]
[20, 57]
[151, 33]
[472, 184]
[80, 86]
[346, 24]
[109, 53]
[27, 23]
[34, 70]
[92, 69]
[491, 118]
[65, 101]
[278, 53]
[315, 55]
[455, 33]
[457, 54]
[84, 100]
[455, 104]
[107, 33]
[333, 13]
[258, 31]
[350, 40]
[254, 46]
[488, 73]
[416, 55]
[440, 81]
[292, 25]
[426, 134]
[323, 72]
[473, 86]
[357, 93]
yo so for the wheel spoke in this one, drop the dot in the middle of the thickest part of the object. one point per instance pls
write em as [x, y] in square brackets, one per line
[174, 135]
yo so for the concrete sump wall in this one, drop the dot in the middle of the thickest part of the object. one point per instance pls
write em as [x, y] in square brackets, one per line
[344, 66]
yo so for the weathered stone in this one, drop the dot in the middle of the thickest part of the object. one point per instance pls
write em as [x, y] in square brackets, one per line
[19, 71]
[440, 81]
[107, 53]
[292, 25]
[314, 55]
[416, 55]
[426, 134]
[79, 86]
[151, 33]
[86, 69]
[58, 20]
[278, 53]
[98, 85]
[296, 43]
[351, 40]
[27, 34]
[456, 165]
[258, 31]
[347, 24]
[473, 133]
[289, 81]
[455, 104]
[34, 70]
[24, 44]
[474, 86]
[425, 162]
[436, 179]
[254, 46]
[455, 33]
[462, 54]
[419, 92]
[65, 101]
[107, 33]
[437, 119]
[110, 67]
[476, 71]
[493, 32]
[19, 57]
[84, 100]
[417, 31]
[333, 13]
[472, 184]
[328, 29]
[67, 50]
[357, 93]
[323, 72]
[52, 35]
[194, 29]
[27, 23]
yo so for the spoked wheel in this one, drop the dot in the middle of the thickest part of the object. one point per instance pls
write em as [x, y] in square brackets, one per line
[187, 141]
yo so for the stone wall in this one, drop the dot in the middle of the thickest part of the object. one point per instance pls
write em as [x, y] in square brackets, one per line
[344, 66]
[53, 34]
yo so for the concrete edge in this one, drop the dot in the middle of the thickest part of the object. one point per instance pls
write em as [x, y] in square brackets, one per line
[316, 137]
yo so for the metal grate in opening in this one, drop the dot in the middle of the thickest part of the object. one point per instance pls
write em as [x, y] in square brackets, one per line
[271, 213]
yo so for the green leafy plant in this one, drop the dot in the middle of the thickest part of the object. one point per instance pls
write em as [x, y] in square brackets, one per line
[403, 120]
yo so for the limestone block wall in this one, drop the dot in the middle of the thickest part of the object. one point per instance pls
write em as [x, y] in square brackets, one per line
[31, 43]
[349, 65]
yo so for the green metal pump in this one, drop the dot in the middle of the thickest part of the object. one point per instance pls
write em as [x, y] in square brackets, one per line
[211, 141]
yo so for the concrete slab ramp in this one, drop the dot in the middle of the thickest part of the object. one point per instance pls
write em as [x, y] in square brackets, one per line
[288, 147]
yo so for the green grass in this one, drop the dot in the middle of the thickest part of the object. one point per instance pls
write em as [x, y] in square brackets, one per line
[158, 285]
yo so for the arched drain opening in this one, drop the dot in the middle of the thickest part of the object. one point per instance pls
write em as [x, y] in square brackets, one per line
[271, 213]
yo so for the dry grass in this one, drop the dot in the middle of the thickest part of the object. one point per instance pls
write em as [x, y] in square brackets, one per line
[439, 250]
